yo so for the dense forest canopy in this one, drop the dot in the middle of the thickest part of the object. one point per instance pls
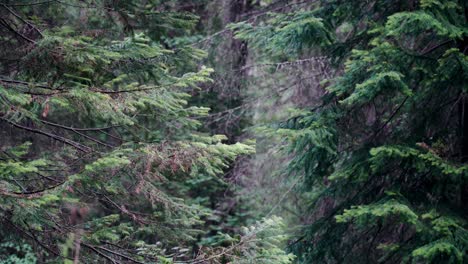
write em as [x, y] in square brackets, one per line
[233, 131]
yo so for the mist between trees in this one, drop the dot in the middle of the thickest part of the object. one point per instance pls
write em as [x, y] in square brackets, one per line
[233, 131]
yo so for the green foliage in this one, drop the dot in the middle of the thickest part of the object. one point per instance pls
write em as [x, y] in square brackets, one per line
[385, 144]
[281, 34]
[103, 143]
[264, 243]
[438, 251]
[13, 253]
[116, 160]
[369, 89]
[406, 23]
[365, 215]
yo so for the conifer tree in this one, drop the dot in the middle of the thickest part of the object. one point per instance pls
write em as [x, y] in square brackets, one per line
[101, 158]
[383, 156]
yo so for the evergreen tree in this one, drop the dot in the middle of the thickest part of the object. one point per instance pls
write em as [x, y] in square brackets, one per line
[107, 153]
[383, 156]
[101, 156]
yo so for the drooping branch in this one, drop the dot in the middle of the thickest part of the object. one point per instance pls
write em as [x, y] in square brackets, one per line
[22, 19]
[28, 84]
[77, 131]
[28, 194]
[4, 23]
[66, 141]
[61, 90]
[76, 128]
